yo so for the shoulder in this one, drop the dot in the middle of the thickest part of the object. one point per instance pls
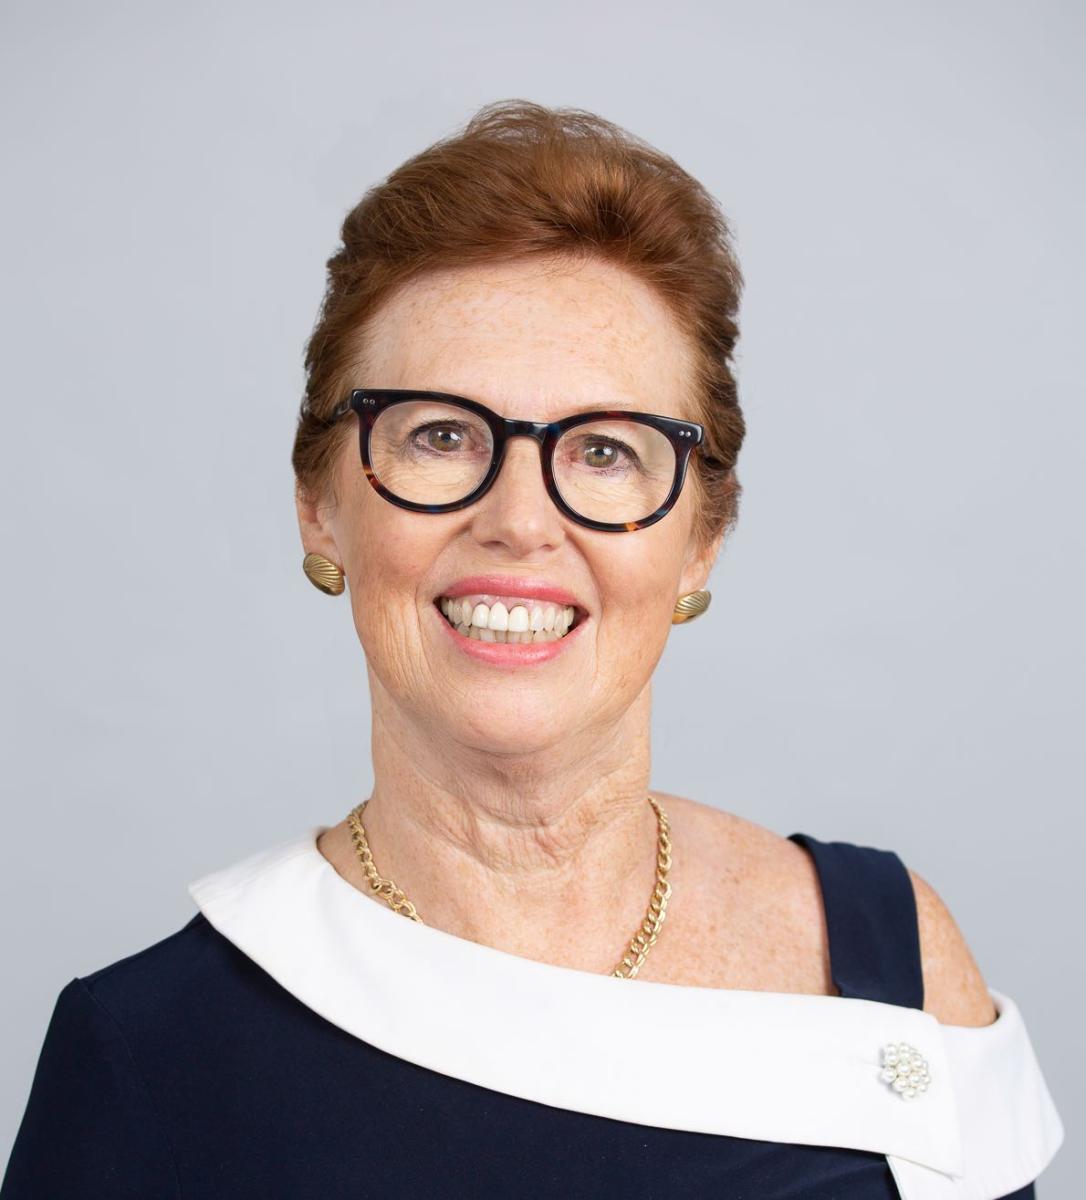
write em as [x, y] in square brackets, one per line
[782, 872]
[160, 983]
[955, 991]
[723, 845]
[727, 846]
[107, 1071]
[749, 914]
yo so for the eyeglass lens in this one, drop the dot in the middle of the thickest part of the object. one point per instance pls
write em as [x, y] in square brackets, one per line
[435, 452]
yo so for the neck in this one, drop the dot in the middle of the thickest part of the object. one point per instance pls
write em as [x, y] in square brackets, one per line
[550, 854]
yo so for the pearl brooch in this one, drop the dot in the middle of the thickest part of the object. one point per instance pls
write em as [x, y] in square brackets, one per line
[905, 1070]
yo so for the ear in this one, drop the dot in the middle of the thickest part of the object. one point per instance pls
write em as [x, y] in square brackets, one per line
[315, 526]
[698, 564]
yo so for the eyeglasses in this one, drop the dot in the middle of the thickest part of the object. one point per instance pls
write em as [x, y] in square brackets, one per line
[612, 469]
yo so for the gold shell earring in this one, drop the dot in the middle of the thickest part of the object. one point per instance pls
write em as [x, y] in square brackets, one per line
[692, 605]
[323, 573]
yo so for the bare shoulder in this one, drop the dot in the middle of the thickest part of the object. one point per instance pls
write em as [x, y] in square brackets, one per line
[770, 934]
[742, 846]
[741, 867]
[954, 988]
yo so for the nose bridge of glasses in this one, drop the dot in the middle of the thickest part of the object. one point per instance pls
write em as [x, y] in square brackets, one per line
[537, 430]
[523, 505]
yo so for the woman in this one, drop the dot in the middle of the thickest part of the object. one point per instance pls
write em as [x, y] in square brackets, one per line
[514, 970]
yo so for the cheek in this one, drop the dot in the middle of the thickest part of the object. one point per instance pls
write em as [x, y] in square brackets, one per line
[637, 593]
[389, 548]
[637, 580]
[389, 552]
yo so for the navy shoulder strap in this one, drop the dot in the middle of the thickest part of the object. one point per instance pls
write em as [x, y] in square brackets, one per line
[871, 919]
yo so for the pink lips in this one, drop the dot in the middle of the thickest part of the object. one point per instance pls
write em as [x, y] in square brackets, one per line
[509, 654]
[525, 586]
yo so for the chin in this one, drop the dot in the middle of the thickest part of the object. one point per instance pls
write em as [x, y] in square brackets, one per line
[531, 733]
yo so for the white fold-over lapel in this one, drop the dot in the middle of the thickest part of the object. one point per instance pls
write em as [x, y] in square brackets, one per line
[765, 1065]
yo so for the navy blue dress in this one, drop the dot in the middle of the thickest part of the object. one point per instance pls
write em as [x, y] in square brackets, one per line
[186, 1070]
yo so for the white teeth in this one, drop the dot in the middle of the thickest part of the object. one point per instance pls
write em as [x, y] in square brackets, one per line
[522, 624]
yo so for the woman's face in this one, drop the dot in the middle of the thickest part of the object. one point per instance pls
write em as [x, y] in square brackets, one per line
[532, 340]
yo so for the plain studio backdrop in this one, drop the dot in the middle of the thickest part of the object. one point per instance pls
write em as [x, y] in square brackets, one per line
[894, 653]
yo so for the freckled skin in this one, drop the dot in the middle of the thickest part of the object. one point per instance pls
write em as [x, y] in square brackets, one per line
[532, 343]
[509, 804]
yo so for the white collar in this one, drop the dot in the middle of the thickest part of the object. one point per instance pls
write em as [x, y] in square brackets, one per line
[766, 1065]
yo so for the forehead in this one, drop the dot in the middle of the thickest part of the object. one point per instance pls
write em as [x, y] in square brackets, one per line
[533, 338]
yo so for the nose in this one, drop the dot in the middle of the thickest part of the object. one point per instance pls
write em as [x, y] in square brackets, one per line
[517, 512]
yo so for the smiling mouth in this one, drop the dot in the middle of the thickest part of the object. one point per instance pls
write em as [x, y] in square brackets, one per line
[510, 619]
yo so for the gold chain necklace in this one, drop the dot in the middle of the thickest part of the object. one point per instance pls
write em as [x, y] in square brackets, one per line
[642, 940]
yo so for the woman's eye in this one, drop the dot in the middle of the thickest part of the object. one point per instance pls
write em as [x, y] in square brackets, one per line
[444, 439]
[604, 454]
[600, 455]
[440, 438]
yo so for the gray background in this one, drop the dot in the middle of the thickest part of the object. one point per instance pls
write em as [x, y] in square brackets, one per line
[895, 652]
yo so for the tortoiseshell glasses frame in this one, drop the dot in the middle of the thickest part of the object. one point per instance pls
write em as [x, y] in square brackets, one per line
[368, 403]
